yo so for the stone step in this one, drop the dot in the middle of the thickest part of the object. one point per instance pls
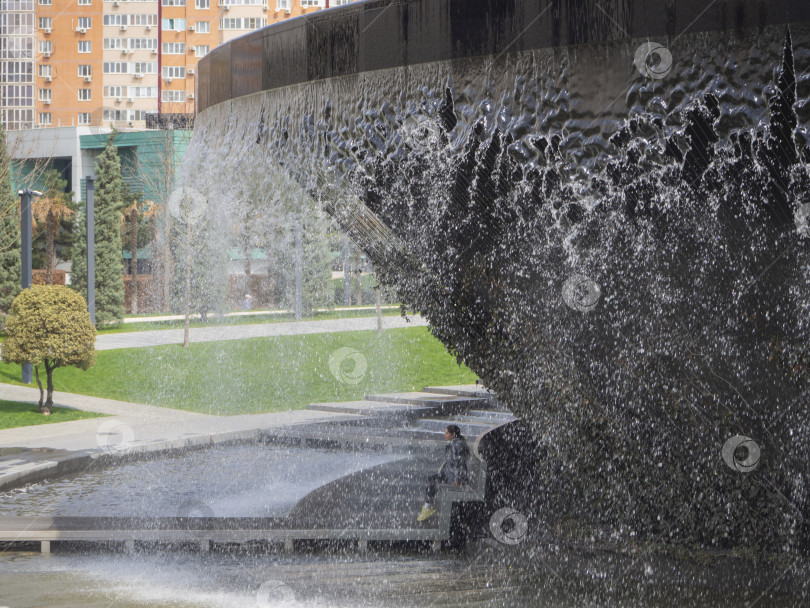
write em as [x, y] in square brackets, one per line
[468, 429]
[376, 409]
[442, 404]
[462, 390]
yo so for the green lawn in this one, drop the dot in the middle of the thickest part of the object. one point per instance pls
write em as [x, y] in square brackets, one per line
[15, 413]
[264, 374]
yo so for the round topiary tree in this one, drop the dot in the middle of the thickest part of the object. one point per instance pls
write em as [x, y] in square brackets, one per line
[49, 325]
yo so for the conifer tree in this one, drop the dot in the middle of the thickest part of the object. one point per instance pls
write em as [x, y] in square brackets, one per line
[109, 257]
[9, 233]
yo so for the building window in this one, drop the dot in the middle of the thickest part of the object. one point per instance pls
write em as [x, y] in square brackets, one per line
[17, 95]
[202, 27]
[44, 2]
[311, 3]
[115, 19]
[45, 23]
[85, 94]
[174, 48]
[85, 46]
[85, 23]
[113, 91]
[173, 71]
[85, 70]
[44, 70]
[145, 67]
[283, 5]
[174, 24]
[45, 46]
[148, 92]
[143, 19]
[45, 95]
[84, 2]
[173, 96]
[45, 118]
[201, 50]
[173, 2]
[202, 4]
[17, 71]
[84, 118]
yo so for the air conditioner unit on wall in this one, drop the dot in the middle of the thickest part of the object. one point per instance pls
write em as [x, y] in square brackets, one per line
[226, 7]
[191, 95]
[266, 7]
[88, 79]
[82, 30]
[47, 102]
[46, 54]
[190, 28]
[117, 100]
[123, 28]
[130, 100]
[49, 79]
[169, 80]
[138, 76]
[191, 71]
[154, 51]
[47, 30]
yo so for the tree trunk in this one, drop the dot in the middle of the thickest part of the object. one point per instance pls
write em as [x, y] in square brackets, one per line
[41, 392]
[49, 400]
[379, 309]
[133, 245]
[359, 277]
[50, 250]
[188, 295]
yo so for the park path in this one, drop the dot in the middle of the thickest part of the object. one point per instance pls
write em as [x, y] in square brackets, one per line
[146, 423]
[158, 337]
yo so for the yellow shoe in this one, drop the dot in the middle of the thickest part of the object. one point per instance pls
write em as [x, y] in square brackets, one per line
[427, 511]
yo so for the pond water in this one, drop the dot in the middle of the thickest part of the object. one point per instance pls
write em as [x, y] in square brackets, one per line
[226, 481]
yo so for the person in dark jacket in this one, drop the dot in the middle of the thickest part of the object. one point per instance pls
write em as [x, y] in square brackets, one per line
[453, 470]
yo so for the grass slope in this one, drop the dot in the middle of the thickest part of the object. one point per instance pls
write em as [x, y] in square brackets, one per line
[264, 374]
[14, 414]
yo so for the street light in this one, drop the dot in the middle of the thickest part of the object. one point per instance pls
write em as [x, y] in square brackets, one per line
[25, 257]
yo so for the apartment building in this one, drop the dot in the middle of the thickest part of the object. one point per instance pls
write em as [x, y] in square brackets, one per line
[117, 62]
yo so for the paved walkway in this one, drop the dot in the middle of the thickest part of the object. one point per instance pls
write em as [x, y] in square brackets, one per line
[137, 423]
[256, 330]
[255, 313]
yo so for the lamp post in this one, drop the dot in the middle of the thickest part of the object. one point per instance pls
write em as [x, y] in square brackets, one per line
[25, 257]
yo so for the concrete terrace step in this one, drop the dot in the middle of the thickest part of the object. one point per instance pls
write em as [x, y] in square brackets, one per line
[442, 404]
[462, 390]
[467, 429]
[373, 408]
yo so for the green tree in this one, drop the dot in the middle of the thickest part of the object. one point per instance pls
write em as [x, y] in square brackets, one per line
[109, 258]
[317, 283]
[9, 233]
[49, 325]
[49, 211]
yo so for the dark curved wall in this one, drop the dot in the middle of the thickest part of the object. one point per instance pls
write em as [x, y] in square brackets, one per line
[378, 34]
